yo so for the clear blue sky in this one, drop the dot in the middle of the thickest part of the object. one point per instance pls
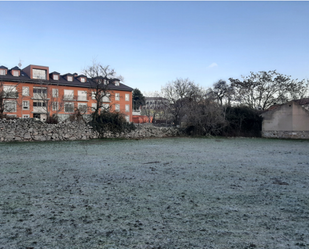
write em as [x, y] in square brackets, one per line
[152, 43]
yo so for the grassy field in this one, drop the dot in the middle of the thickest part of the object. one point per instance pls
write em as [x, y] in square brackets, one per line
[155, 193]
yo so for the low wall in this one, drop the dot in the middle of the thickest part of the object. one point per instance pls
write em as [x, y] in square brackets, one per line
[30, 130]
[286, 134]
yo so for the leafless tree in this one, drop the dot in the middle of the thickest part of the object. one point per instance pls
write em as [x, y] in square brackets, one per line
[204, 117]
[178, 93]
[222, 92]
[263, 89]
[99, 85]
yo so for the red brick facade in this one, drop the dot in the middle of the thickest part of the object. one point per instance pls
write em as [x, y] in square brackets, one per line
[39, 95]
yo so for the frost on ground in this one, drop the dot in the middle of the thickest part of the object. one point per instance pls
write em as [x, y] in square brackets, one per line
[156, 193]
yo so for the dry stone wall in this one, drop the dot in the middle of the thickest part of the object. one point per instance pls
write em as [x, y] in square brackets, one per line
[30, 130]
[286, 134]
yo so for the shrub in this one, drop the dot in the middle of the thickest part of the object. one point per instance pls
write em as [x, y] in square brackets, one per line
[242, 121]
[113, 122]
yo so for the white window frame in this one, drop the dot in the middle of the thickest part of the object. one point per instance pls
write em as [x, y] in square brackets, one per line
[11, 90]
[55, 77]
[93, 95]
[127, 118]
[83, 104]
[71, 103]
[2, 71]
[10, 101]
[55, 92]
[25, 91]
[93, 106]
[70, 78]
[116, 83]
[127, 108]
[26, 105]
[26, 116]
[127, 97]
[106, 98]
[82, 79]
[55, 106]
[15, 73]
[82, 95]
[105, 107]
[38, 74]
[117, 107]
[117, 96]
[67, 95]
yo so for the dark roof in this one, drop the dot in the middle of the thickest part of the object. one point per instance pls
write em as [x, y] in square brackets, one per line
[67, 74]
[54, 73]
[15, 68]
[61, 82]
[303, 101]
[3, 67]
[81, 75]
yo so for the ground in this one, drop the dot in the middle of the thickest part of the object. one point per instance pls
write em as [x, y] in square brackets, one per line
[155, 193]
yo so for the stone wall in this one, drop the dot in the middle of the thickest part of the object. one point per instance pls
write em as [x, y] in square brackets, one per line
[286, 134]
[30, 130]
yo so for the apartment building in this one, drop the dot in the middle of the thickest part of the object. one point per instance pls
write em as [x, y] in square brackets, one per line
[34, 92]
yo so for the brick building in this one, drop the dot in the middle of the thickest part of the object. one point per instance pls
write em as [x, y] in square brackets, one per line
[34, 92]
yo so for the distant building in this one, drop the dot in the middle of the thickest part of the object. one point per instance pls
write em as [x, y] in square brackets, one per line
[33, 92]
[289, 120]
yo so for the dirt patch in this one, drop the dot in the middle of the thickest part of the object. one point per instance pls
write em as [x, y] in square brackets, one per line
[158, 193]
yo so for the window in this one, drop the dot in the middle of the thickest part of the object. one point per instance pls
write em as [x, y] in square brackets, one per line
[93, 95]
[127, 97]
[26, 105]
[82, 107]
[10, 106]
[82, 95]
[39, 74]
[39, 104]
[127, 118]
[93, 106]
[26, 116]
[117, 96]
[69, 94]
[105, 107]
[39, 93]
[25, 91]
[106, 97]
[15, 73]
[127, 108]
[117, 107]
[2, 72]
[70, 78]
[69, 107]
[10, 91]
[82, 80]
[116, 83]
[56, 77]
[55, 92]
[55, 106]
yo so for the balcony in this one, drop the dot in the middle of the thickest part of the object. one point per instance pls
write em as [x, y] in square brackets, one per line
[10, 95]
[82, 98]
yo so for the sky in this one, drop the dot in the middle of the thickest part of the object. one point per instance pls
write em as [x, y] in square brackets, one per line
[153, 43]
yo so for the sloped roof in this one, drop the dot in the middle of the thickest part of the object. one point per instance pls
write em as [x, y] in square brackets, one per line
[23, 77]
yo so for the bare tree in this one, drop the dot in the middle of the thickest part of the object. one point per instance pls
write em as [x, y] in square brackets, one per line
[178, 93]
[99, 85]
[222, 92]
[204, 117]
[263, 89]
